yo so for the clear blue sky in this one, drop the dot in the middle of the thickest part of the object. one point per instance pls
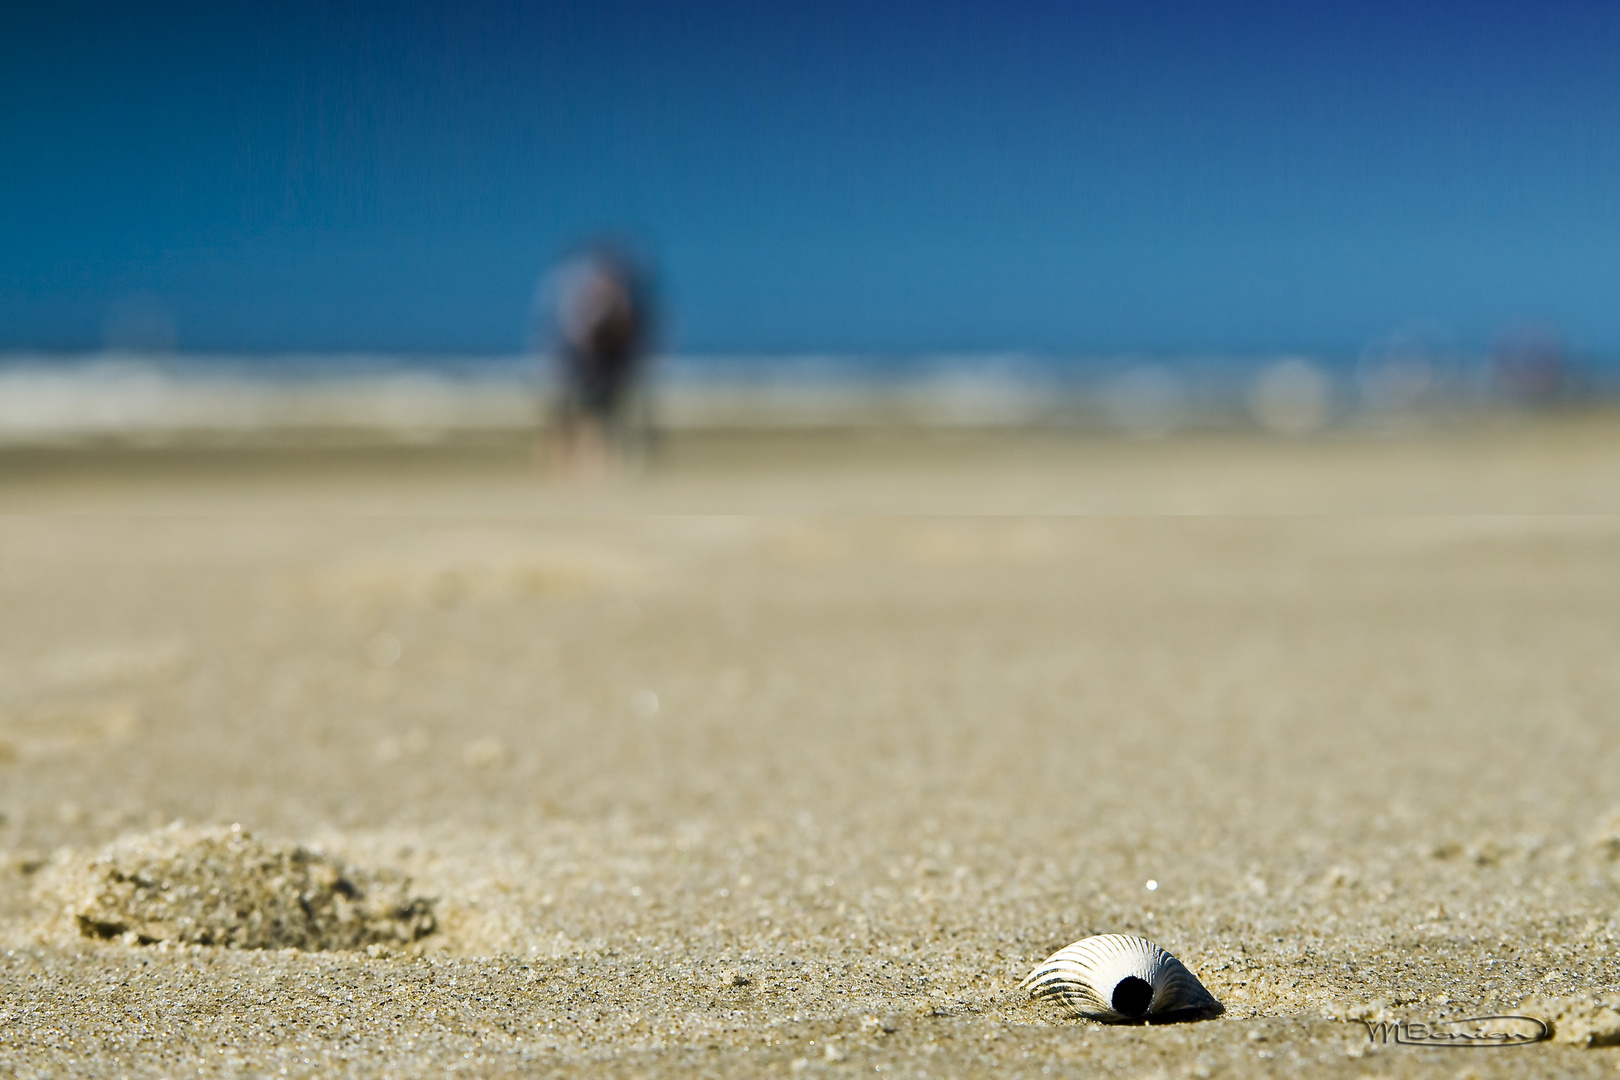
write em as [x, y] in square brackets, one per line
[910, 175]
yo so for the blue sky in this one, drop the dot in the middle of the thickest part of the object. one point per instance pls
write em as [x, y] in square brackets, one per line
[900, 177]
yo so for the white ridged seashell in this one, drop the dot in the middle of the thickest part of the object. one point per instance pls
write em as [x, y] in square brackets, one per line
[1118, 977]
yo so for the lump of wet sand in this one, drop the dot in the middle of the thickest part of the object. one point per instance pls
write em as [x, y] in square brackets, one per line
[224, 887]
[1584, 1021]
[1606, 837]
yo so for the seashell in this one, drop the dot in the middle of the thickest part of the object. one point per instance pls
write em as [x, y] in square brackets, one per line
[1121, 978]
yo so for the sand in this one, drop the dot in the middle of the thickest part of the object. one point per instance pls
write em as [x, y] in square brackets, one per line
[795, 756]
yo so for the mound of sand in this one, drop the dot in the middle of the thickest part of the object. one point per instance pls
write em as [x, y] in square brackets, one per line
[222, 886]
[1584, 1020]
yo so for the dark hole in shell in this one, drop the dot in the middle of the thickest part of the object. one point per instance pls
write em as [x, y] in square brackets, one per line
[1132, 996]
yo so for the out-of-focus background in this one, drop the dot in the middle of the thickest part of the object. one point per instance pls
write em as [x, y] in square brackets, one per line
[281, 222]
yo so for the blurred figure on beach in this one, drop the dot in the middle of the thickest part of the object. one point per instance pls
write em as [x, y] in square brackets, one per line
[599, 308]
[1529, 363]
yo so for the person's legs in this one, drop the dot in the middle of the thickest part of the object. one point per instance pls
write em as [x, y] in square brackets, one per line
[589, 428]
[590, 452]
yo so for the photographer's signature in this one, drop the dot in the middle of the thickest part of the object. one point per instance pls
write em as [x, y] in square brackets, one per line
[1473, 1031]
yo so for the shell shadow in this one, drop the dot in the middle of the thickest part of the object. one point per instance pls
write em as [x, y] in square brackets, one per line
[1185, 1016]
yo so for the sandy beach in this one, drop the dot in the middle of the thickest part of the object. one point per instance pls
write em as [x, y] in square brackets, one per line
[796, 754]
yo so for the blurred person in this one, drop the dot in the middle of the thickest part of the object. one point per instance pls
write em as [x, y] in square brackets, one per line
[1529, 362]
[600, 308]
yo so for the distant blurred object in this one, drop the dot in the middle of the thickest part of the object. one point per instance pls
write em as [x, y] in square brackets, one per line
[1148, 400]
[139, 322]
[1400, 373]
[995, 390]
[1291, 396]
[601, 311]
[1529, 363]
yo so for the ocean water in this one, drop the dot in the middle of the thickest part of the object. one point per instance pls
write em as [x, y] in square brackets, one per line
[66, 398]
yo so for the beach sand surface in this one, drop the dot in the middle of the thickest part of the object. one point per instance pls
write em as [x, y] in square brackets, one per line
[796, 754]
